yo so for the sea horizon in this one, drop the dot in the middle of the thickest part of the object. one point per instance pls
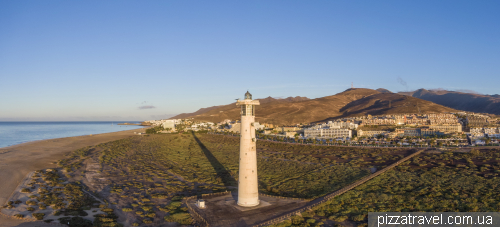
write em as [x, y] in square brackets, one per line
[18, 132]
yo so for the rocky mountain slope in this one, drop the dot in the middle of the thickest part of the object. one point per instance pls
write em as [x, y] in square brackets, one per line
[352, 102]
[459, 100]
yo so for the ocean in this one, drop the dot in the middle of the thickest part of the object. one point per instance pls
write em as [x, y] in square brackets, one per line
[12, 133]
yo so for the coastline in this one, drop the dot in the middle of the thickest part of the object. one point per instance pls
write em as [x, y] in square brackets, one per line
[14, 133]
[18, 160]
[34, 141]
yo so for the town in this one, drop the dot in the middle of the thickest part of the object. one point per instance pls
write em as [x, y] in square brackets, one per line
[406, 130]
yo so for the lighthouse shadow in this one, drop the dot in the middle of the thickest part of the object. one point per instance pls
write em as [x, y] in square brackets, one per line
[221, 171]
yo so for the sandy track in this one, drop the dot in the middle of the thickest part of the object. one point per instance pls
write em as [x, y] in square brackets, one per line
[18, 160]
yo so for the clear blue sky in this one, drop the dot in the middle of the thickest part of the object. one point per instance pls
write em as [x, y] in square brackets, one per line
[104, 60]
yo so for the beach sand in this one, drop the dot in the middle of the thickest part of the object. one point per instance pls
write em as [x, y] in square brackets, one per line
[19, 160]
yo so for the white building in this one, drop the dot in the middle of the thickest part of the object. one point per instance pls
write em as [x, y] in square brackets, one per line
[236, 127]
[201, 203]
[328, 132]
[371, 133]
[169, 124]
[258, 126]
[494, 135]
[342, 124]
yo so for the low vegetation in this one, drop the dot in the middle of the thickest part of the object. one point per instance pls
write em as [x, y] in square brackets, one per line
[38, 216]
[146, 177]
[48, 189]
[430, 182]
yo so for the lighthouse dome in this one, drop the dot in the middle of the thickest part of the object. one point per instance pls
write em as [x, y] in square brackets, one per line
[248, 95]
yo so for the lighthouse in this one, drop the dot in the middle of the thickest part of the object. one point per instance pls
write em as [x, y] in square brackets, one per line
[248, 187]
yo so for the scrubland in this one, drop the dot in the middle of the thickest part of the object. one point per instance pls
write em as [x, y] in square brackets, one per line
[144, 178]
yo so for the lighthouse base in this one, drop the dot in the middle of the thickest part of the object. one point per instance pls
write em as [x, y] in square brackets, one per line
[249, 205]
[223, 210]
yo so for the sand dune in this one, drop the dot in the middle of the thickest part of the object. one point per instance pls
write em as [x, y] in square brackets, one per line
[18, 160]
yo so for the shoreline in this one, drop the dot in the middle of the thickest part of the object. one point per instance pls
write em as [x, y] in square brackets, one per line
[11, 146]
[18, 160]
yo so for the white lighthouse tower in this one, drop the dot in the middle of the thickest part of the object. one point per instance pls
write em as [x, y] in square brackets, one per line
[248, 188]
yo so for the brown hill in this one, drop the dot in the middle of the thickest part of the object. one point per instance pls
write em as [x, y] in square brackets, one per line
[460, 100]
[198, 112]
[383, 90]
[352, 102]
[231, 106]
[390, 103]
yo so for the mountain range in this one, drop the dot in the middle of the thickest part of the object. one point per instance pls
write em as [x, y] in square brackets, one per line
[350, 103]
[472, 102]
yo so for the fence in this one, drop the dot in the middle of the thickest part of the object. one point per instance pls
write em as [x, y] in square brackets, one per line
[327, 197]
[215, 194]
[281, 197]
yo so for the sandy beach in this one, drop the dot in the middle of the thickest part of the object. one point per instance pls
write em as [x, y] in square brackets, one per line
[18, 160]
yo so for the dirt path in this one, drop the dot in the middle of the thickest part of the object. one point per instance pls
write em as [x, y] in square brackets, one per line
[18, 160]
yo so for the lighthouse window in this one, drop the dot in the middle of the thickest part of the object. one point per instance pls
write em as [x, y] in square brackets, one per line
[243, 110]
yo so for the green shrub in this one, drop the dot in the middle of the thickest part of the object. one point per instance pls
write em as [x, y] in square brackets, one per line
[31, 202]
[340, 218]
[39, 216]
[285, 223]
[360, 217]
[173, 206]
[18, 215]
[127, 209]
[159, 196]
[107, 210]
[30, 209]
[177, 198]
[181, 218]
[296, 220]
